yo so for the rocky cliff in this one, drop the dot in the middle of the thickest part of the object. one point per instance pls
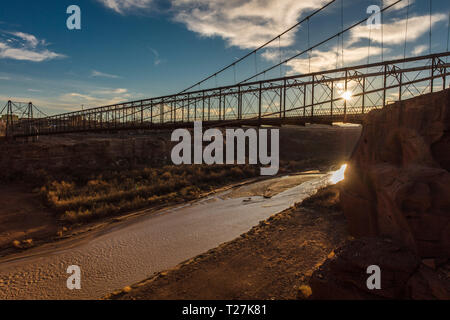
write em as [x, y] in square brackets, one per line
[396, 198]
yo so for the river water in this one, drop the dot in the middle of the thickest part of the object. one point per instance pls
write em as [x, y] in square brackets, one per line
[131, 252]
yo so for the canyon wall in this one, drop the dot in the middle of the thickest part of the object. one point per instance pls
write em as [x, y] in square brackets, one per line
[396, 198]
[83, 154]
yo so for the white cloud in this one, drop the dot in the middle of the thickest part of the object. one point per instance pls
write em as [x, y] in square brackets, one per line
[28, 55]
[111, 91]
[25, 47]
[94, 99]
[97, 97]
[120, 6]
[394, 32]
[323, 60]
[400, 5]
[419, 49]
[29, 38]
[356, 51]
[96, 73]
[245, 24]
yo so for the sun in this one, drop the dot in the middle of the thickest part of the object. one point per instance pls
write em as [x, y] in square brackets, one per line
[347, 95]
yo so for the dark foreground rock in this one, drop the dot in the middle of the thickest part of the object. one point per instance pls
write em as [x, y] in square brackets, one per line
[345, 275]
[397, 187]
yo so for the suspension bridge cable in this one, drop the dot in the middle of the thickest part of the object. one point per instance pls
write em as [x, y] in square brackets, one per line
[7, 105]
[39, 111]
[261, 47]
[320, 43]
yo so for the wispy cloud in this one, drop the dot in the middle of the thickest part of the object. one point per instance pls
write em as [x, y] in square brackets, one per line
[419, 49]
[109, 91]
[157, 60]
[394, 32]
[356, 49]
[95, 98]
[322, 60]
[25, 47]
[96, 73]
[121, 6]
[245, 24]
[400, 5]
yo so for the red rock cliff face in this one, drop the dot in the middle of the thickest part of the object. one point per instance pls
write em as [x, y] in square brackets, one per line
[398, 181]
[396, 197]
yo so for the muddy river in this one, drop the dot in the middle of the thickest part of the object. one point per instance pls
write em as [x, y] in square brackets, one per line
[133, 251]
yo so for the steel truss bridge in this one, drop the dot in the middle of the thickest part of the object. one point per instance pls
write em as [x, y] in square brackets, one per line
[340, 95]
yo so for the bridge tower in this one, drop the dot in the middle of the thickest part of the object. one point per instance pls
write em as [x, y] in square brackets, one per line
[30, 111]
[9, 119]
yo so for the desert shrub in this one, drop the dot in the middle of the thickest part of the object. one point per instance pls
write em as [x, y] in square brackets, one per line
[114, 192]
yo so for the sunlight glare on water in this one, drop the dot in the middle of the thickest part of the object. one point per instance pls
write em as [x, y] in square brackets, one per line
[339, 175]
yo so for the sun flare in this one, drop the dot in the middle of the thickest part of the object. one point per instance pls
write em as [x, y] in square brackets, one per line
[347, 95]
[339, 175]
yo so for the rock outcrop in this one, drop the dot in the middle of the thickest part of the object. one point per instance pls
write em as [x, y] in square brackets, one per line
[398, 181]
[397, 187]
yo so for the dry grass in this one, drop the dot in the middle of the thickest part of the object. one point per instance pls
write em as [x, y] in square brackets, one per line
[327, 197]
[124, 191]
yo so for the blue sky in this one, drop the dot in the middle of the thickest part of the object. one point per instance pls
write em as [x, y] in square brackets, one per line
[132, 49]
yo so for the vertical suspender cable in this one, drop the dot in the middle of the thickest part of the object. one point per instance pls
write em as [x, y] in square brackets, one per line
[431, 11]
[382, 33]
[256, 66]
[406, 30]
[448, 33]
[337, 52]
[370, 38]
[281, 59]
[342, 32]
[309, 52]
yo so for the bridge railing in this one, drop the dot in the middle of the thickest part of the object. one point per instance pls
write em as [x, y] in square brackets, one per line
[331, 95]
